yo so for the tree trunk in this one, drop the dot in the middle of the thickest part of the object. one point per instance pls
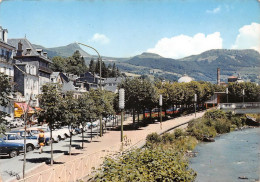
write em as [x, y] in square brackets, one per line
[138, 117]
[70, 141]
[133, 116]
[143, 114]
[51, 144]
[82, 132]
[151, 119]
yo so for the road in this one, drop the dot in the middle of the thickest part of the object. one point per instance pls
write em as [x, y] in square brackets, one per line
[34, 159]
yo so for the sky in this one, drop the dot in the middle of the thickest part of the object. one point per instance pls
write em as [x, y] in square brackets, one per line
[125, 28]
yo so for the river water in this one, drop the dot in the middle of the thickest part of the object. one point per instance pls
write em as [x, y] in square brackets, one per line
[232, 155]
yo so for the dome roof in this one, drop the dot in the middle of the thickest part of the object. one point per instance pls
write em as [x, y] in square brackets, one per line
[185, 79]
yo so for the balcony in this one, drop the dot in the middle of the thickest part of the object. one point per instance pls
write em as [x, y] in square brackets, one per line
[45, 69]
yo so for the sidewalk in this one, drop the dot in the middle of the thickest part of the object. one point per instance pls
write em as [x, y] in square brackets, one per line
[78, 166]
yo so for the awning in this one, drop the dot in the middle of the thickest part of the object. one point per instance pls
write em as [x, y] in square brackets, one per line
[20, 108]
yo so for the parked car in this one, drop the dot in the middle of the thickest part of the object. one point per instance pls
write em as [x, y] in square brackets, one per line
[14, 123]
[14, 137]
[47, 134]
[35, 133]
[11, 149]
[28, 134]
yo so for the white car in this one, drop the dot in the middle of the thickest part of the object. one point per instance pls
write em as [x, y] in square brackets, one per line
[14, 123]
[14, 137]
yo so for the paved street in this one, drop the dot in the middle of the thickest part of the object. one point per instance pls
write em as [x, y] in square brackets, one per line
[34, 159]
[110, 141]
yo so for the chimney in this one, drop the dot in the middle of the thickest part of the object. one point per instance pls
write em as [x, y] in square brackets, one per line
[45, 54]
[28, 51]
[39, 51]
[218, 76]
[20, 49]
[5, 33]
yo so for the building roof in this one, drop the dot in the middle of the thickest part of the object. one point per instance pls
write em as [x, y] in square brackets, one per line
[185, 79]
[114, 80]
[111, 88]
[68, 86]
[26, 44]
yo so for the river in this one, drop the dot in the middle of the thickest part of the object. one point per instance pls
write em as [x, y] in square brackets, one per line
[232, 155]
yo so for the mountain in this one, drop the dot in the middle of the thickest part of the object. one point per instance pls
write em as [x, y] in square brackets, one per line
[201, 67]
[63, 51]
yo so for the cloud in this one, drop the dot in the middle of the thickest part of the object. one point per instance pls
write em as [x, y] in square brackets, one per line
[100, 38]
[214, 11]
[248, 37]
[182, 45]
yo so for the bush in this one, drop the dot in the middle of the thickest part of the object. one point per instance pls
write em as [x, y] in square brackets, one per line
[168, 138]
[153, 138]
[215, 114]
[222, 126]
[178, 133]
[144, 165]
[200, 130]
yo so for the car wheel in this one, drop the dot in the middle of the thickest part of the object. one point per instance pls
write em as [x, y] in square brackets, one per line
[29, 148]
[13, 153]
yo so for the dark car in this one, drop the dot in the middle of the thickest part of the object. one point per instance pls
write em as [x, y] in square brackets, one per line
[11, 149]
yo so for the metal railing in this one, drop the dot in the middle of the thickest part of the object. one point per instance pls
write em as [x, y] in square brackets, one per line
[244, 105]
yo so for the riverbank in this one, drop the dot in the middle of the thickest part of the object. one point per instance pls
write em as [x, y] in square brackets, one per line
[231, 156]
[153, 160]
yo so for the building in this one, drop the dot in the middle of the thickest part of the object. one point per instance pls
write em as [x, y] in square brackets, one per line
[90, 81]
[111, 84]
[6, 65]
[236, 79]
[67, 82]
[185, 79]
[26, 53]
[27, 81]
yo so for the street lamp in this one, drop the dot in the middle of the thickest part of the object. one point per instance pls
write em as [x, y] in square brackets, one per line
[160, 104]
[227, 93]
[122, 106]
[100, 85]
[99, 59]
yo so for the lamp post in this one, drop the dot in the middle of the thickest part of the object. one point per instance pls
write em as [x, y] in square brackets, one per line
[122, 106]
[195, 102]
[227, 93]
[100, 84]
[99, 59]
[160, 104]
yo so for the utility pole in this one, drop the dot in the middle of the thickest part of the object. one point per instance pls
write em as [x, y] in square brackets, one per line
[227, 93]
[122, 106]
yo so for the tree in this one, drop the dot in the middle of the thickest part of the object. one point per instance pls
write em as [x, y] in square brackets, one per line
[76, 64]
[59, 64]
[86, 111]
[103, 103]
[113, 73]
[92, 66]
[5, 91]
[70, 116]
[51, 103]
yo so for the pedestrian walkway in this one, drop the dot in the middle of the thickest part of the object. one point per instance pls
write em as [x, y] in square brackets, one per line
[79, 165]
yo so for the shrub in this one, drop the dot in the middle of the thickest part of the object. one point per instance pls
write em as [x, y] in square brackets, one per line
[222, 126]
[153, 138]
[215, 114]
[168, 138]
[178, 133]
[147, 165]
